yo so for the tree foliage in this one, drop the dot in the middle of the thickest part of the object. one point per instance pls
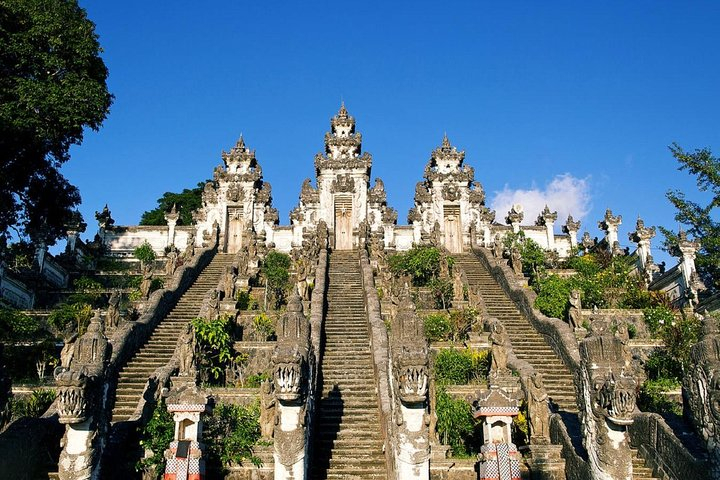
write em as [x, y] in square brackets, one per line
[422, 263]
[52, 87]
[701, 221]
[185, 202]
[276, 270]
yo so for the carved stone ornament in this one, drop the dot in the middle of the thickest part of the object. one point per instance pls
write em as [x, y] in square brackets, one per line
[308, 194]
[104, 218]
[641, 233]
[571, 225]
[343, 184]
[546, 217]
[701, 389]
[477, 194]
[235, 192]
[377, 193]
[290, 358]
[450, 192]
[410, 352]
[607, 401]
[609, 222]
[515, 215]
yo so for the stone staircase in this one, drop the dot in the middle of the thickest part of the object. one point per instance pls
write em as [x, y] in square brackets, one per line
[348, 441]
[529, 345]
[159, 348]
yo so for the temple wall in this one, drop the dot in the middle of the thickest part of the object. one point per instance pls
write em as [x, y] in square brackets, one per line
[122, 241]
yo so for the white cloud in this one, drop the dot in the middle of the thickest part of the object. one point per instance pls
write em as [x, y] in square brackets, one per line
[565, 194]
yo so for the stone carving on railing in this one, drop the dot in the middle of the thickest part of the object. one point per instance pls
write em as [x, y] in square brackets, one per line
[498, 248]
[187, 346]
[112, 318]
[293, 363]
[701, 390]
[210, 309]
[575, 310]
[607, 398]
[516, 262]
[147, 275]
[80, 394]
[410, 374]
[538, 409]
[268, 418]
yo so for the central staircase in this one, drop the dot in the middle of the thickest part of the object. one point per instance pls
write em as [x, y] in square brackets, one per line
[348, 440]
[160, 347]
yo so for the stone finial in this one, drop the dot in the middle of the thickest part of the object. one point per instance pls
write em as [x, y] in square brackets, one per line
[172, 215]
[104, 218]
[610, 222]
[546, 217]
[515, 216]
[571, 225]
[241, 159]
[641, 233]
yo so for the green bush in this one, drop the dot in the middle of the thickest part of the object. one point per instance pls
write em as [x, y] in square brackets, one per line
[264, 326]
[532, 254]
[276, 270]
[455, 424]
[554, 296]
[652, 399]
[442, 292]
[145, 254]
[156, 437]
[16, 325]
[661, 365]
[460, 367]
[421, 263]
[657, 318]
[254, 381]
[34, 405]
[71, 316]
[461, 323]
[216, 347]
[230, 434]
[437, 327]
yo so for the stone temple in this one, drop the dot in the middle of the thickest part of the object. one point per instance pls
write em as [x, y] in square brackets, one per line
[336, 363]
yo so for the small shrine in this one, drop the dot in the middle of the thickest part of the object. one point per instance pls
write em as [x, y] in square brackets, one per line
[185, 453]
[499, 457]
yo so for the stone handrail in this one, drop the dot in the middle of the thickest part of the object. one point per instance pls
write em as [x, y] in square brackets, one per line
[576, 468]
[317, 303]
[665, 453]
[562, 339]
[379, 345]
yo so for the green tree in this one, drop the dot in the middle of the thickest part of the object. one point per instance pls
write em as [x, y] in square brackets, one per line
[52, 87]
[701, 221]
[186, 202]
[276, 270]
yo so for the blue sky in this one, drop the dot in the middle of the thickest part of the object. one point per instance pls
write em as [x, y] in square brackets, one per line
[578, 98]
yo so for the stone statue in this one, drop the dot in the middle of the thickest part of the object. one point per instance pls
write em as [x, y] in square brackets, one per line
[113, 312]
[189, 248]
[322, 234]
[459, 284]
[516, 261]
[267, 410]
[538, 411]
[498, 247]
[498, 349]
[146, 283]
[171, 261]
[243, 259]
[186, 352]
[229, 282]
[435, 235]
[211, 305]
[575, 310]
[301, 276]
[66, 354]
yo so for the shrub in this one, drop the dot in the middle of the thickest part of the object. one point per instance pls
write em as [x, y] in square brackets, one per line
[216, 347]
[657, 318]
[75, 316]
[455, 424]
[230, 433]
[421, 263]
[264, 326]
[460, 367]
[532, 254]
[156, 436]
[461, 323]
[16, 325]
[145, 254]
[34, 405]
[652, 399]
[442, 292]
[553, 296]
[437, 327]
[661, 365]
[254, 381]
[276, 270]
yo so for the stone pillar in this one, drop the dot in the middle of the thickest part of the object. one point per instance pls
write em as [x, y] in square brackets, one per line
[292, 362]
[547, 218]
[610, 226]
[572, 228]
[410, 370]
[702, 391]
[171, 217]
[515, 217]
[80, 392]
[607, 403]
[185, 453]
